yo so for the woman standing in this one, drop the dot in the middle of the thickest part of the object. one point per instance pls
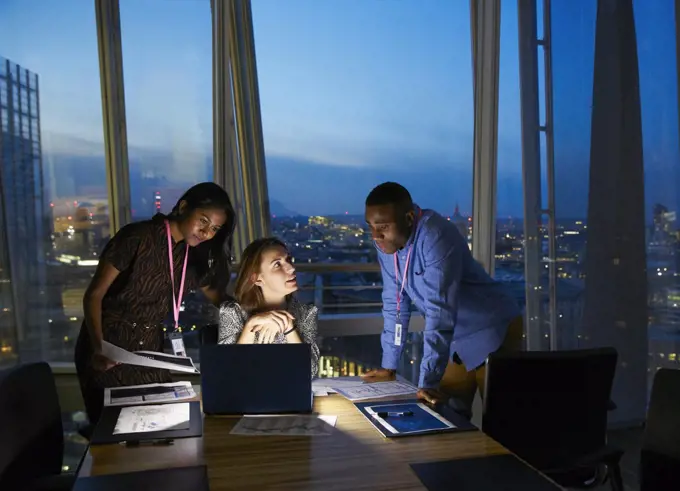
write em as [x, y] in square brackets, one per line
[135, 287]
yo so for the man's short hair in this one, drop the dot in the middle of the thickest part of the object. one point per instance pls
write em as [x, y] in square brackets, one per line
[390, 193]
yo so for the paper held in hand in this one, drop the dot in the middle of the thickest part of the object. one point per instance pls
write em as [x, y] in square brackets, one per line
[152, 359]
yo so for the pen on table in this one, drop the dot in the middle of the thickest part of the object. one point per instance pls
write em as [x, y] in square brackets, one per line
[137, 443]
[391, 414]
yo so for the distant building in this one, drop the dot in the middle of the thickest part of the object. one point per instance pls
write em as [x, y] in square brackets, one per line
[24, 223]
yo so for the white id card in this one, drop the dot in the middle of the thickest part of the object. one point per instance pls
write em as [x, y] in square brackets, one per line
[178, 346]
[397, 334]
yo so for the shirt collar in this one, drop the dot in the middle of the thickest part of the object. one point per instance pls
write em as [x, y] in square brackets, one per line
[159, 219]
[418, 214]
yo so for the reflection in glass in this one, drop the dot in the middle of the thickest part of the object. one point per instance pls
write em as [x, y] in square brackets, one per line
[167, 59]
[54, 194]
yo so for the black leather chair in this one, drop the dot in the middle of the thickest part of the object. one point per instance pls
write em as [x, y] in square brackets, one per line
[31, 431]
[660, 456]
[209, 334]
[550, 408]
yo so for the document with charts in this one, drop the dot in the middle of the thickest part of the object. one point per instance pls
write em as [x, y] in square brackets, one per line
[376, 390]
[293, 424]
[144, 419]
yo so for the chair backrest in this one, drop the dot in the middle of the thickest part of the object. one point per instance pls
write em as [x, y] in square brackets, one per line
[549, 407]
[209, 334]
[660, 457]
[31, 430]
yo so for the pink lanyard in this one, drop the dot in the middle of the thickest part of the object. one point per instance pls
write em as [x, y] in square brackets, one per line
[176, 301]
[400, 292]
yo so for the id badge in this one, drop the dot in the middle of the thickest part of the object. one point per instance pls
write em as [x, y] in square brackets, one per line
[177, 344]
[397, 334]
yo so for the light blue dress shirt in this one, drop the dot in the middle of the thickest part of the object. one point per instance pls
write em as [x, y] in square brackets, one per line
[465, 310]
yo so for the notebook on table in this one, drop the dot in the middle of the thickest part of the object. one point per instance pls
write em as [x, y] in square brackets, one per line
[412, 417]
[256, 378]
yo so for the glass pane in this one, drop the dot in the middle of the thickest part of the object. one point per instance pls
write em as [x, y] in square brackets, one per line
[510, 204]
[656, 31]
[53, 199]
[54, 208]
[167, 58]
[349, 101]
[348, 356]
[573, 55]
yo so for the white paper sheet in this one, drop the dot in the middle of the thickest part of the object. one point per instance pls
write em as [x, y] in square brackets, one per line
[340, 382]
[144, 358]
[377, 390]
[144, 419]
[328, 385]
[148, 394]
[293, 424]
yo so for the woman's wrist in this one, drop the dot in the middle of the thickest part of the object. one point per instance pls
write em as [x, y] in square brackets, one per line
[286, 333]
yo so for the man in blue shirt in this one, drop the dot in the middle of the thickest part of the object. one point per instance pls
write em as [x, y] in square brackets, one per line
[426, 263]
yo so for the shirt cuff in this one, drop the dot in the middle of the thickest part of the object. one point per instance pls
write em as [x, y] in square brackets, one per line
[390, 359]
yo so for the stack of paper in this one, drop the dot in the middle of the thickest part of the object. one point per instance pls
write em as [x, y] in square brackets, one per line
[148, 394]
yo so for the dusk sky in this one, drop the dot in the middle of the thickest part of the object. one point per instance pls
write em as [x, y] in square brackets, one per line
[353, 93]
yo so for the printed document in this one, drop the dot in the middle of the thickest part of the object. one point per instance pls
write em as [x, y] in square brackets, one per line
[328, 385]
[148, 394]
[293, 424]
[148, 358]
[376, 390]
[144, 419]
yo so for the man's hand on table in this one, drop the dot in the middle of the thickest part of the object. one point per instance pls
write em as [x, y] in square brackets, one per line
[433, 396]
[379, 375]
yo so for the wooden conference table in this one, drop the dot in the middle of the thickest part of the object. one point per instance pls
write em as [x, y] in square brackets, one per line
[354, 457]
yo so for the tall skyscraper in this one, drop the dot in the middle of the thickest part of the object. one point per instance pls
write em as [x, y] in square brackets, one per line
[23, 217]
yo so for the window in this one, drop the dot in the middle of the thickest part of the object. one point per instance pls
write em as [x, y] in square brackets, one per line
[348, 101]
[581, 82]
[53, 173]
[656, 32]
[573, 51]
[167, 59]
[509, 260]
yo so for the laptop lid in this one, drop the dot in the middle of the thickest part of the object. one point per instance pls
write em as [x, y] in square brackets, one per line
[256, 378]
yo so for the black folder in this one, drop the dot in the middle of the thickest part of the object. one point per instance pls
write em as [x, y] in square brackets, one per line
[103, 432]
[177, 479]
[414, 425]
[496, 473]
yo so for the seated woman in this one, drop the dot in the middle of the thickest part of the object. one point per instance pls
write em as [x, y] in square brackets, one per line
[265, 310]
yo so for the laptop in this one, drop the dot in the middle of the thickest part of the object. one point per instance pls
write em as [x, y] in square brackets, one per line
[256, 378]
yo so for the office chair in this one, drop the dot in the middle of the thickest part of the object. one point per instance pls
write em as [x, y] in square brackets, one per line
[32, 449]
[550, 408]
[209, 334]
[660, 457]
